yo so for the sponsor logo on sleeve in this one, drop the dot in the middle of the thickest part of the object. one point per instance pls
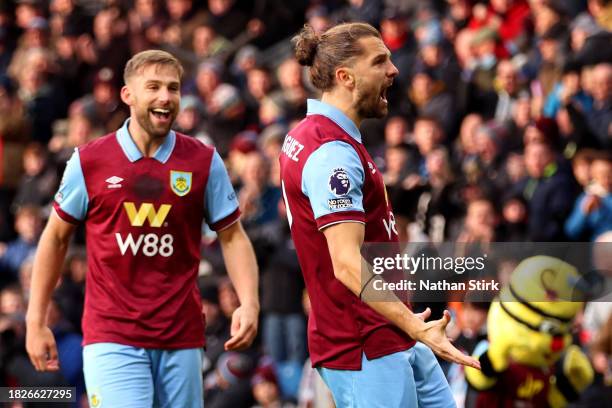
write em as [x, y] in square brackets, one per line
[339, 183]
[340, 203]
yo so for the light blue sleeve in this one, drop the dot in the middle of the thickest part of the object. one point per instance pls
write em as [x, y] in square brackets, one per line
[577, 222]
[71, 196]
[220, 197]
[332, 179]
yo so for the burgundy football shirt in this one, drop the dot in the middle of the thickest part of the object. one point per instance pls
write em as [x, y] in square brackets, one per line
[143, 218]
[328, 177]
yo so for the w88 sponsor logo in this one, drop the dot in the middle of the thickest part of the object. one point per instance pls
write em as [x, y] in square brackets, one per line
[150, 244]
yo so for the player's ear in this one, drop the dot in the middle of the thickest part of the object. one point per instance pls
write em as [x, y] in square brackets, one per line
[345, 77]
[126, 95]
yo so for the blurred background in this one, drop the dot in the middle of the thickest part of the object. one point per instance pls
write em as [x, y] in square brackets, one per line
[500, 129]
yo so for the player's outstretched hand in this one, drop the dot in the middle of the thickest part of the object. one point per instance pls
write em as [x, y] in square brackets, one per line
[41, 347]
[244, 328]
[434, 336]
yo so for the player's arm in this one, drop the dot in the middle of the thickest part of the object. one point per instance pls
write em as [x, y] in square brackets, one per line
[344, 241]
[222, 214]
[48, 262]
[70, 207]
[241, 266]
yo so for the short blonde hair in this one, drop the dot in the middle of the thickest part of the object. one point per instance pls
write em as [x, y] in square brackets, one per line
[150, 57]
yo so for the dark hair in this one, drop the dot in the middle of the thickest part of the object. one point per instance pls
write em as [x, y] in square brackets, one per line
[601, 156]
[326, 52]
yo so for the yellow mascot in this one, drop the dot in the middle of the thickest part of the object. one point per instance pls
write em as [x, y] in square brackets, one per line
[529, 359]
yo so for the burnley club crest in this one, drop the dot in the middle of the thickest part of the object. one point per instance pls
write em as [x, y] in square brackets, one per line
[180, 182]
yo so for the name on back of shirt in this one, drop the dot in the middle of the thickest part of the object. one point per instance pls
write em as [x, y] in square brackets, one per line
[292, 148]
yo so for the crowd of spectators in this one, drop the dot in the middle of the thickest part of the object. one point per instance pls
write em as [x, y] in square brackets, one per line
[500, 129]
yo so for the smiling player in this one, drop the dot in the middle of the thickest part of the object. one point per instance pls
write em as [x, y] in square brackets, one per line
[142, 193]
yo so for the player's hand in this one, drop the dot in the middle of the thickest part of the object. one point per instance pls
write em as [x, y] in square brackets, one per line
[244, 328]
[41, 347]
[433, 335]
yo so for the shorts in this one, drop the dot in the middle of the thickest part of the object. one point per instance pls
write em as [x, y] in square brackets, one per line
[407, 379]
[118, 375]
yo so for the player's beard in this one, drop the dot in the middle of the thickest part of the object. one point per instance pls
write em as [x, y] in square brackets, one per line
[146, 121]
[369, 102]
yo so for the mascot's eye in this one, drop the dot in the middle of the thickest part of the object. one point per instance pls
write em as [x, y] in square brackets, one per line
[551, 327]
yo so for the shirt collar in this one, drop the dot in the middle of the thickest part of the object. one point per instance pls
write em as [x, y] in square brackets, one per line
[133, 153]
[316, 107]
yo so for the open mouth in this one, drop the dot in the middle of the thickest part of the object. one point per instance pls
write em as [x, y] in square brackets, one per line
[383, 94]
[161, 114]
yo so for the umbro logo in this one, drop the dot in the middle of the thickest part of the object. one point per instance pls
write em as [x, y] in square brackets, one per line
[114, 182]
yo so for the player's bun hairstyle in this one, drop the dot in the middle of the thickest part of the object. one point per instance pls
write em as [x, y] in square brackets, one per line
[150, 57]
[326, 52]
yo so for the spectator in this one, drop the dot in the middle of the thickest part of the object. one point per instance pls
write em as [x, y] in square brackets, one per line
[14, 134]
[427, 96]
[217, 328]
[28, 224]
[109, 46]
[551, 56]
[601, 351]
[258, 86]
[229, 385]
[69, 13]
[69, 348]
[508, 91]
[293, 92]
[368, 11]
[103, 107]
[466, 149]
[469, 330]
[257, 197]
[265, 388]
[567, 91]
[581, 166]
[39, 180]
[318, 18]
[77, 131]
[599, 118]
[228, 18]
[147, 22]
[509, 18]
[592, 214]
[514, 219]
[395, 35]
[208, 44]
[427, 135]
[480, 224]
[184, 18]
[438, 205]
[43, 100]
[548, 191]
[434, 55]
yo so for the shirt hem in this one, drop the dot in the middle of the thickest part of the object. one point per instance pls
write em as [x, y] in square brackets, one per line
[357, 367]
[161, 346]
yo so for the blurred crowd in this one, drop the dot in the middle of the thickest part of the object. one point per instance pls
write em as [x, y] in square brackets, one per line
[500, 129]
